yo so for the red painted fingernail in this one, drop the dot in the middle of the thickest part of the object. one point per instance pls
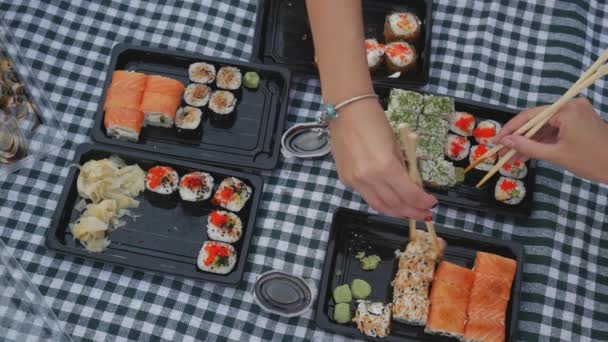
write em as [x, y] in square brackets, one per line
[428, 218]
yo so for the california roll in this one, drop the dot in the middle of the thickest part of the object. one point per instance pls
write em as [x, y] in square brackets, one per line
[462, 123]
[229, 78]
[516, 169]
[457, 147]
[509, 191]
[224, 226]
[216, 257]
[232, 194]
[195, 186]
[479, 150]
[201, 73]
[486, 130]
[162, 180]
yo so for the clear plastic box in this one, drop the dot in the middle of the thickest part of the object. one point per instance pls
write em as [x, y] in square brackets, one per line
[29, 128]
[24, 316]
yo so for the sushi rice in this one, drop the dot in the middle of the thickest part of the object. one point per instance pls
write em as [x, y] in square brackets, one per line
[216, 257]
[224, 226]
[462, 123]
[232, 194]
[457, 147]
[229, 78]
[201, 72]
[517, 170]
[197, 95]
[195, 186]
[162, 180]
[509, 191]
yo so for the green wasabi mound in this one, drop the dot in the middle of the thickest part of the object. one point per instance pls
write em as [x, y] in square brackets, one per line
[370, 262]
[342, 294]
[342, 313]
[360, 289]
[251, 80]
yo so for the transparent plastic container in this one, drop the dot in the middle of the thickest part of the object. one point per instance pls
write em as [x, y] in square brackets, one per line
[29, 128]
[24, 316]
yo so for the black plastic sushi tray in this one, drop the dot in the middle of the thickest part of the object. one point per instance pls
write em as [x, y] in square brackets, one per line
[168, 233]
[354, 231]
[283, 36]
[251, 140]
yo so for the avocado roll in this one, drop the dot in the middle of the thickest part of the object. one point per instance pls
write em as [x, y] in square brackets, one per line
[402, 26]
[189, 122]
[197, 95]
[201, 73]
[229, 78]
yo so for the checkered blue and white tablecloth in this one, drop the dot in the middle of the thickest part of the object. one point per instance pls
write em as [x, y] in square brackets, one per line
[514, 53]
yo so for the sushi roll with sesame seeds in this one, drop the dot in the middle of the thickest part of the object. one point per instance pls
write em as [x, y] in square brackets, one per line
[479, 150]
[229, 78]
[216, 257]
[195, 186]
[222, 105]
[373, 318]
[462, 123]
[232, 194]
[375, 54]
[189, 122]
[224, 226]
[509, 191]
[400, 57]
[162, 180]
[457, 147]
[197, 95]
[516, 169]
[201, 72]
[402, 26]
[486, 130]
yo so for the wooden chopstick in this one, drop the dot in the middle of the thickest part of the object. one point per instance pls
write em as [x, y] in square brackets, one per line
[597, 68]
[411, 141]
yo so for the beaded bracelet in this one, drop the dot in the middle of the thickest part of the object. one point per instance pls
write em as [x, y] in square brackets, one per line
[331, 111]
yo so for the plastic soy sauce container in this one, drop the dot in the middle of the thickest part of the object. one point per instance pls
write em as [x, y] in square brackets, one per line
[284, 294]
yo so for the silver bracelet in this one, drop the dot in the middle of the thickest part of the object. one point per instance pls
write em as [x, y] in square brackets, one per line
[331, 111]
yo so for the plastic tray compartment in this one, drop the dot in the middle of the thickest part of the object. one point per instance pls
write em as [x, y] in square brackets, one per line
[169, 235]
[26, 115]
[466, 195]
[252, 141]
[283, 35]
[353, 231]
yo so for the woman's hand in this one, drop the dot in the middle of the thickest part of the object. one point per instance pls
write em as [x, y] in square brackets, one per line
[575, 138]
[370, 161]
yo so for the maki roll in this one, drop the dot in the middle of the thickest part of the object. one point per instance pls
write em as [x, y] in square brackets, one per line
[224, 226]
[195, 186]
[462, 123]
[216, 257]
[457, 147]
[232, 194]
[486, 130]
[438, 173]
[229, 78]
[201, 73]
[402, 26]
[188, 121]
[373, 319]
[516, 170]
[510, 191]
[375, 54]
[439, 106]
[476, 152]
[400, 57]
[222, 105]
[162, 180]
[197, 95]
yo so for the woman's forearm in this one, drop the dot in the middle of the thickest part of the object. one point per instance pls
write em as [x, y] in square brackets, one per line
[337, 27]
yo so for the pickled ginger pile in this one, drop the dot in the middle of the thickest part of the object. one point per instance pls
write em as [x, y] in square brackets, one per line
[108, 188]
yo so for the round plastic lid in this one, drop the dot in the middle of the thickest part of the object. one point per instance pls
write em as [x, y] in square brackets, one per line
[283, 294]
[308, 140]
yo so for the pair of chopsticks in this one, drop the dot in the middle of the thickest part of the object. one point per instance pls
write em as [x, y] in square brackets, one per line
[596, 71]
[411, 141]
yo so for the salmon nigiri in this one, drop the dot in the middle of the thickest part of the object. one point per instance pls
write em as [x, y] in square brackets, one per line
[123, 123]
[117, 98]
[159, 109]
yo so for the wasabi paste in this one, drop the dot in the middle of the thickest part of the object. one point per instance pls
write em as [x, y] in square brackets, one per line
[251, 80]
[342, 294]
[360, 289]
[342, 313]
[370, 262]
